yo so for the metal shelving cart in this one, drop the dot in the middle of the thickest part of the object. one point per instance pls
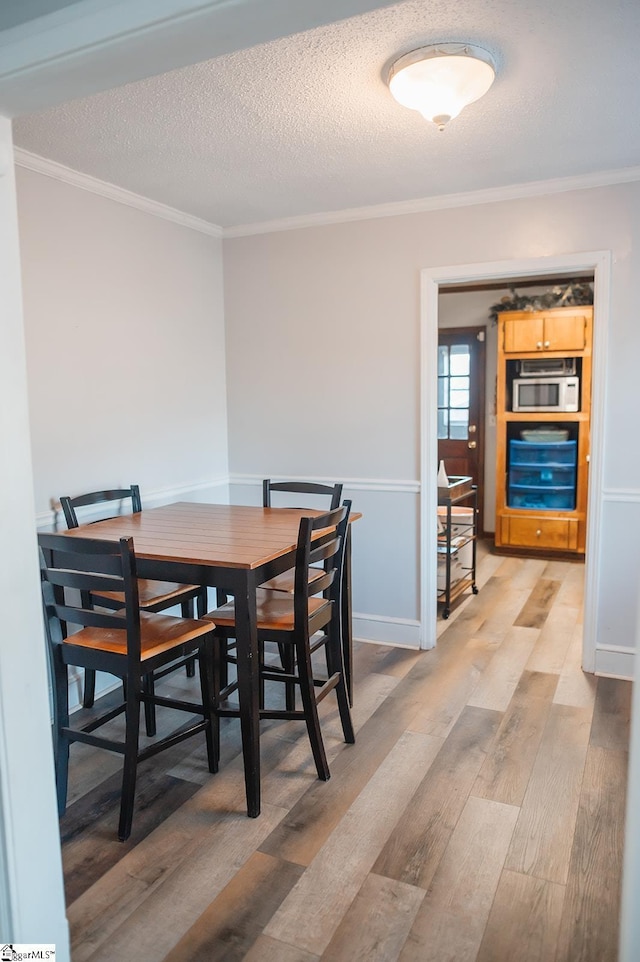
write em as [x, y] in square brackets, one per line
[457, 542]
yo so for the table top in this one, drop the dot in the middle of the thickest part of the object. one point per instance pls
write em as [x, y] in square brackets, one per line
[220, 535]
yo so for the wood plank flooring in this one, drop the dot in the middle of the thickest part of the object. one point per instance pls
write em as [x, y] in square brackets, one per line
[478, 818]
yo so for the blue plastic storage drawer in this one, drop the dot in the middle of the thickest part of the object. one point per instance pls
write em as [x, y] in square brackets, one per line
[553, 452]
[543, 475]
[542, 498]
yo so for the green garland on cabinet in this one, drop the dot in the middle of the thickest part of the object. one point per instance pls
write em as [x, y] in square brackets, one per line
[573, 293]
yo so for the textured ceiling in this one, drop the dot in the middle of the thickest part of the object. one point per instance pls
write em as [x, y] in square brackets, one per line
[306, 124]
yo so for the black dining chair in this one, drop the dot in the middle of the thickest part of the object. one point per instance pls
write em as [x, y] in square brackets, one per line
[287, 494]
[329, 494]
[154, 596]
[128, 643]
[301, 624]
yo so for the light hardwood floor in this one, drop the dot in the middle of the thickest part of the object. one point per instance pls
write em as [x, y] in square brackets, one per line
[478, 818]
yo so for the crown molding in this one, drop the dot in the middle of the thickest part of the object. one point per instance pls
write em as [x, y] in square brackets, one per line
[489, 195]
[50, 168]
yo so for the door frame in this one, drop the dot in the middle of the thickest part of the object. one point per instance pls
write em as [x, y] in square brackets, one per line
[430, 281]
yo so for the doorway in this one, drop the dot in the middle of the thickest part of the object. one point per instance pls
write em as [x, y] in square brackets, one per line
[507, 273]
[461, 404]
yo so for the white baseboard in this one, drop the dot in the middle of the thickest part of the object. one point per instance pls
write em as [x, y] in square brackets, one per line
[399, 632]
[614, 661]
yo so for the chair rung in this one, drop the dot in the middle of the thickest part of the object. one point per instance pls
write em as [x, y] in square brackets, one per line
[278, 674]
[102, 719]
[328, 686]
[170, 740]
[173, 703]
[296, 714]
[75, 735]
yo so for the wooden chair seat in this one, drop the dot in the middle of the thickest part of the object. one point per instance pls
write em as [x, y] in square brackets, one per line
[158, 633]
[150, 594]
[274, 611]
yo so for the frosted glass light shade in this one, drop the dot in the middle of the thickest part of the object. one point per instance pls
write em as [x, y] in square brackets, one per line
[440, 80]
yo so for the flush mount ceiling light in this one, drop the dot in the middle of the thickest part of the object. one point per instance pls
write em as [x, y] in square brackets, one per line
[439, 80]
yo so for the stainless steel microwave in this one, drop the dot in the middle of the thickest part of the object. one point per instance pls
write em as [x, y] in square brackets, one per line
[546, 394]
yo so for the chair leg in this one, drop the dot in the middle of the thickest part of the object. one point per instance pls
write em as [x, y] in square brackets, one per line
[202, 602]
[89, 688]
[310, 708]
[186, 609]
[61, 741]
[223, 666]
[288, 662]
[149, 688]
[261, 682]
[335, 663]
[207, 687]
[132, 715]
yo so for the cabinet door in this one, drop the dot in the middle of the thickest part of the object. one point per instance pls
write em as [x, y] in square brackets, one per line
[523, 335]
[564, 332]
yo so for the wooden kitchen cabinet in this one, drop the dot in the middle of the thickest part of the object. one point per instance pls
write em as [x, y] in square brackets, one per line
[535, 510]
[561, 329]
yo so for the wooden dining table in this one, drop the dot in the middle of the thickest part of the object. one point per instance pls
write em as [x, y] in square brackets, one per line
[234, 548]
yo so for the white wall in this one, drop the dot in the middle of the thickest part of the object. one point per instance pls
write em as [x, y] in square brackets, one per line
[31, 891]
[124, 329]
[323, 366]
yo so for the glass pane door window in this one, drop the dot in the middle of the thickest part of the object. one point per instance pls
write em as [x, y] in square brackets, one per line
[454, 369]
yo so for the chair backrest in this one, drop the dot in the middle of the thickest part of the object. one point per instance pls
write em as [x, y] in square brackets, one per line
[69, 505]
[327, 550]
[332, 491]
[83, 565]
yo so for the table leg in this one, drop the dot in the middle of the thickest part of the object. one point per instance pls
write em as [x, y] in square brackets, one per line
[346, 617]
[248, 689]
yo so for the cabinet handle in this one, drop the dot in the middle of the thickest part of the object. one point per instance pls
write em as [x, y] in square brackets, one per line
[539, 345]
[547, 343]
[538, 533]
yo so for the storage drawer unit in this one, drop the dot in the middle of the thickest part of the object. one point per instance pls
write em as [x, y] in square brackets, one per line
[542, 477]
[549, 452]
